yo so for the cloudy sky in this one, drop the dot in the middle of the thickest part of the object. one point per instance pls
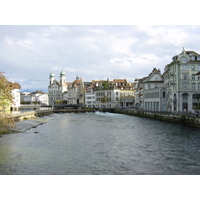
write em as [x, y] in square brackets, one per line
[28, 54]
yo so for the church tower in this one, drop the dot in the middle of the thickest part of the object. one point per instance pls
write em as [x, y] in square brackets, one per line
[63, 81]
[62, 78]
[51, 78]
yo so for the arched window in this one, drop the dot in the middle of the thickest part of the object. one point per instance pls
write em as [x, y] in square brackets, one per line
[185, 95]
[183, 59]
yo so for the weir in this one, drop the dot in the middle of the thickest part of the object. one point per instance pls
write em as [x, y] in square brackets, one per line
[18, 116]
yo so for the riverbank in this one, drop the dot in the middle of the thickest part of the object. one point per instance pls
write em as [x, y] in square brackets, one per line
[29, 119]
[170, 117]
[24, 115]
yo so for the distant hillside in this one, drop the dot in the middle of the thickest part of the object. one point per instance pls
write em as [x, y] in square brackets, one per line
[34, 89]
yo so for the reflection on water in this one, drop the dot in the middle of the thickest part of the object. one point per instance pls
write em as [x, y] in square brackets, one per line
[101, 143]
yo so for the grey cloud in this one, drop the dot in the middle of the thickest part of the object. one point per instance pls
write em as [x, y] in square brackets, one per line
[29, 53]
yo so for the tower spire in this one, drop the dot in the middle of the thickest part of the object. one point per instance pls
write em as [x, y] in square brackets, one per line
[183, 52]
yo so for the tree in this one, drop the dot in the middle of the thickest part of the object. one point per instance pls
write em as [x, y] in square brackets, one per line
[105, 84]
[105, 99]
[6, 99]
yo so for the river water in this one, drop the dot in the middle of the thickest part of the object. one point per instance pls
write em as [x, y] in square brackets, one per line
[101, 144]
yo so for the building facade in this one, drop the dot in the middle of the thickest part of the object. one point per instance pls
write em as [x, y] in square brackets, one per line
[115, 93]
[57, 89]
[15, 90]
[176, 90]
[154, 97]
[182, 82]
[127, 97]
[107, 97]
[76, 92]
[89, 97]
[37, 97]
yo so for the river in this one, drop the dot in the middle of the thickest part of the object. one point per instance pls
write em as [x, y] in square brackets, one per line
[101, 144]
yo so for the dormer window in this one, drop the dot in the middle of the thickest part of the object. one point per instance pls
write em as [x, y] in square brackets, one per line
[193, 58]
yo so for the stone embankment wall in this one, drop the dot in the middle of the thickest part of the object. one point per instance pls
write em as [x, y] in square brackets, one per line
[30, 114]
[19, 116]
[170, 117]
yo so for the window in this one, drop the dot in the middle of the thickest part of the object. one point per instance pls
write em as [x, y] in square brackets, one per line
[185, 76]
[198, 68]
[193, 86]
[193, 77]
[185, 96]
[193, 68]
[184, 67]
[185, 86]
[193, 58]
[183, 59]
[163, 94]
[198, 58]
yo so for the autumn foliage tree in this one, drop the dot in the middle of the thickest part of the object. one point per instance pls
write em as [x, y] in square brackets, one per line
[6, 99]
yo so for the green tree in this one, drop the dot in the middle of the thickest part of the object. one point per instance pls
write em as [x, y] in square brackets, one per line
[105, 99]
[6, 99]
[105, 84]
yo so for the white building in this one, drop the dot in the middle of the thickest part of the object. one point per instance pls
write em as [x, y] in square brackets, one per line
[108, 98]
[177, 90]
[37, 97]
[154, 97]
[89, 97]
[116, 93]
[57, 89]
[16, 95]
[182, 82]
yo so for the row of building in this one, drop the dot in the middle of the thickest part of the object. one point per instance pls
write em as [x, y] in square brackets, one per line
[176, 90]
[101, 93]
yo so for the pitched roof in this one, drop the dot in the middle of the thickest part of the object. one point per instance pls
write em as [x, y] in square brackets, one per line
[119, 80]
[198, 73]
[15, 85]
[37, 92]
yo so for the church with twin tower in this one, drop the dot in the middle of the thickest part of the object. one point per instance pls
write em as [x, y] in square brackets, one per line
[59, 91]
[56, 88]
